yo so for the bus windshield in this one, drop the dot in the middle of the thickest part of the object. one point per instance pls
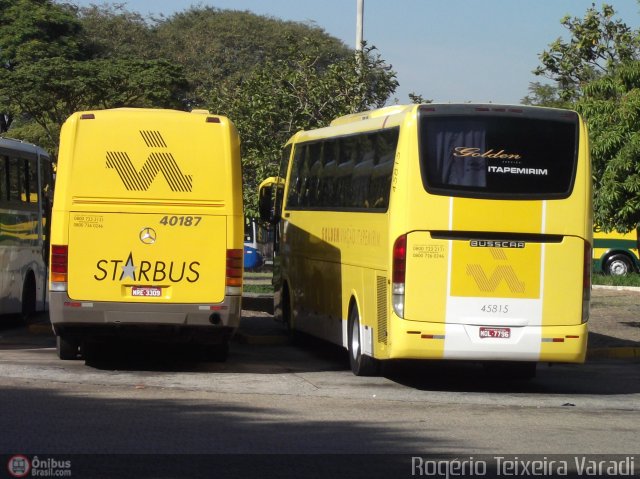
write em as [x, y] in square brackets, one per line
[498, 156]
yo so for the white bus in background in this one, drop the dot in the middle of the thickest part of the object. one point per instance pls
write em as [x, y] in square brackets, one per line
[26, 184]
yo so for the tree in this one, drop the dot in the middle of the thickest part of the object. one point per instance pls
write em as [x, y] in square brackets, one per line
[544, 94]
[611, 106]
[223, 47]
[287, 95]
[29, 31]
[597, 45]
[597, 71]
[111, 31]
[50, 70]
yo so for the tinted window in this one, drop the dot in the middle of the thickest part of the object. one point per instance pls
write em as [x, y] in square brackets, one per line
[498, 156]
[347, 173]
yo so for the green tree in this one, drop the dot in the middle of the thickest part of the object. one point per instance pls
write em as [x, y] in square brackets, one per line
[223, 47]
[611, 106]
[287, 95]
[544, 94]
[598, 43]
[597, 72]
[112, 31]
[49, 70]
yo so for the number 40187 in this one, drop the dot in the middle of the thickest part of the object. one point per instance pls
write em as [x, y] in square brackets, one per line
[180, 220]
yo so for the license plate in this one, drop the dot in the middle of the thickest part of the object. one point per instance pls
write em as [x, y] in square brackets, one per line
[502, 333]
[146, 291]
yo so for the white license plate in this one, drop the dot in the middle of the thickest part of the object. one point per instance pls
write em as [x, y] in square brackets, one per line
[502, 333]
[146, 291]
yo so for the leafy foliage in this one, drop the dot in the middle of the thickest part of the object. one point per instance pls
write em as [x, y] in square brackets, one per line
[299, 92]
[224, 47]
[597, 45]
[611, 106]
[544, 94]
[597, 72]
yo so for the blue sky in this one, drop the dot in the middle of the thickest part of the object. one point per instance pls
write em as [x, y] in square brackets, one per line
[445, 50]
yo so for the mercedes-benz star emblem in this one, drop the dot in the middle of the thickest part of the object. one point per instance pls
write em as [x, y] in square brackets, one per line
[148, 235]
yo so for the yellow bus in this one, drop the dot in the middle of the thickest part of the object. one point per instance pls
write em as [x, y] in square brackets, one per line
[26, 189]
[437, 232]
[147, 229]
[615, 253]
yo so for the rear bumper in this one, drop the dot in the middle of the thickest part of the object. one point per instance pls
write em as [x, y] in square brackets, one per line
[211, 323]
[422, 340]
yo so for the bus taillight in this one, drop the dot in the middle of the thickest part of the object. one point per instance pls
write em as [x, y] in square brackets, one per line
[234, 272]
[586, 282]
[398, 274]
[59, 267]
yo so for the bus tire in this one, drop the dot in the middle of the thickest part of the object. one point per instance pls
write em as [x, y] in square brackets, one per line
[28, 297]
[618, 265]
[286, 315]
[67, 348]
[361, 364]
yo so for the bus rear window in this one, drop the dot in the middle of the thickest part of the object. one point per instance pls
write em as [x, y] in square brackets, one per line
[499, 156]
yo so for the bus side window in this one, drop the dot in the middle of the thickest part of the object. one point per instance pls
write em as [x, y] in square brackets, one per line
[16, 180]
[32, 180]
[4, 178]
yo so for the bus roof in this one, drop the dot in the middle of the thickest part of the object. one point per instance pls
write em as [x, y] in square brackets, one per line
[9, 145]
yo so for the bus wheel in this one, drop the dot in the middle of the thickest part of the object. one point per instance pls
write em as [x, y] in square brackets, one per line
[361, 364]
[67, 348]
[618, 265]
[286, 316]
[28, 297]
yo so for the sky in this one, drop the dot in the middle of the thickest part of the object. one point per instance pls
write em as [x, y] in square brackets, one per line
[445, 50]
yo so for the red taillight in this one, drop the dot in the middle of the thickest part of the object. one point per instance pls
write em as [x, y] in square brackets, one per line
[59, 263]
[234, 267]
[399, 259]
[398, 274]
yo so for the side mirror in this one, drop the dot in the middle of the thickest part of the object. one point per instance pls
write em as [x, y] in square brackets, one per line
[269, 199]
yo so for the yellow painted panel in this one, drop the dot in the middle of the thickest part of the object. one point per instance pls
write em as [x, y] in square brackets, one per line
[495, 272]
[108, 257]
[493, 215]
[426, 278]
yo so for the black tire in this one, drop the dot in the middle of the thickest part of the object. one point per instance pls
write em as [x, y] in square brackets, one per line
[618, 265]
[67, 348]
[361, 364]
[286, 316]
[28, 298]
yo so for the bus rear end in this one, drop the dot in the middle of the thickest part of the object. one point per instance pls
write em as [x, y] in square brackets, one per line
[147, 229]
[493, 259]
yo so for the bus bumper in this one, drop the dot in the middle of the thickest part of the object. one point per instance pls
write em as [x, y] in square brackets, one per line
[202, 323]
[423, 340]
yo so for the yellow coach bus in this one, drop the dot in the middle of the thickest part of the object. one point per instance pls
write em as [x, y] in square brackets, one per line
[437, 232]
[147, 229]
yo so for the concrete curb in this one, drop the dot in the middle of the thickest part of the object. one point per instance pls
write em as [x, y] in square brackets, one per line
[634, 289]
